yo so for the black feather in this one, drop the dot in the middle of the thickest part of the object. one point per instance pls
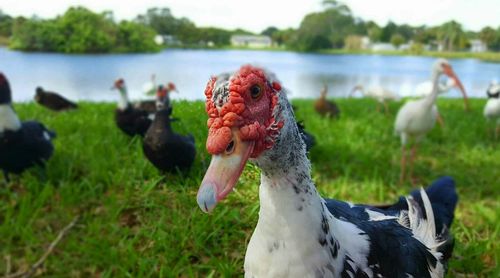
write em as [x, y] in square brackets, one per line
[165, 149]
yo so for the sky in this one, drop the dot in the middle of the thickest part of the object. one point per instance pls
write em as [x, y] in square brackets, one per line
[256, 15]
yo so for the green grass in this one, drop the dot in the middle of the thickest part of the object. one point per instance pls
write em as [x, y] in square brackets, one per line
[136, 222]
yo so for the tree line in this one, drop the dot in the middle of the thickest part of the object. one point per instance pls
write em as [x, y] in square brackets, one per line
[80, 30]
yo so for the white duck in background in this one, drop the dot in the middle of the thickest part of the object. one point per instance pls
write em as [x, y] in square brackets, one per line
[417, 117]
[492, 107]
[300, 234]
[378, 93]
[149, 88]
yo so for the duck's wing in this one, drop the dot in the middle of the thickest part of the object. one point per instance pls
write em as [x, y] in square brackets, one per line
[404, 238]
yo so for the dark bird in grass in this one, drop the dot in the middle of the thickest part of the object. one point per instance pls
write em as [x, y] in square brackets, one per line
[22, 144]
[307, 137]
[165, 149]
[130, 120]
[53, 101]
[299, 233]
[326, 108]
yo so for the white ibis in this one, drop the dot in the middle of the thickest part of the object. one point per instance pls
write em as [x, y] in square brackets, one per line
[417, 117]
[492, 107]
[149, 88]
[378, 93]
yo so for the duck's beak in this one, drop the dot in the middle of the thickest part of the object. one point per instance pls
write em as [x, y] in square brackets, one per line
[451, 74]
[223, 172]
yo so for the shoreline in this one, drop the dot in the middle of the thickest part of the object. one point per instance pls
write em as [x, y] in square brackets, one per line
[490, 56]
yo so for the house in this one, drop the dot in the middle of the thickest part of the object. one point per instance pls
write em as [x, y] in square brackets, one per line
[251, 41]
[365, 42]
[383, 47]
[167, 40]
[477, 46]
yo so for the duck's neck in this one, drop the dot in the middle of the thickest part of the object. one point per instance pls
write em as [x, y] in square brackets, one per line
[8, 118]
[295, 229]
[123, 102]
[430, 99]
[162, 119]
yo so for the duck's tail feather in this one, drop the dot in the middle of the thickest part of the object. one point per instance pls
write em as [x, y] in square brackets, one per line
[424, 230]
[443, 199]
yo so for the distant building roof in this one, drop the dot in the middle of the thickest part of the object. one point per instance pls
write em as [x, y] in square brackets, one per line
[251, 41]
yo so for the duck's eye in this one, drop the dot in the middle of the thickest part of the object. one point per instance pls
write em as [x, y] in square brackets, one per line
[255, 91]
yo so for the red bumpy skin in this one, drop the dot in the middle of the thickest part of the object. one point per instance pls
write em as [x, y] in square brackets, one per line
[253, 117]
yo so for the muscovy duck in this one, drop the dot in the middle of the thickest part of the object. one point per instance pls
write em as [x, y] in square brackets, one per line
[300, 234]
[53, 101]
[326, 107]
[378, 93]
[165, 149]
[22, 144]
[417, 117]
[130, 120]
[492, 108]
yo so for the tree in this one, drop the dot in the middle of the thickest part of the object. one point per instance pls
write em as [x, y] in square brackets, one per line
[389, 30]
[326, 29]
[451, 35]
[489, 36]
[269, 31]
[397, 40]
[5, 25]
[80, 30]
[374, 31]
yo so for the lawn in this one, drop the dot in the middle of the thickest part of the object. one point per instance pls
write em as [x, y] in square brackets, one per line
[135, 222]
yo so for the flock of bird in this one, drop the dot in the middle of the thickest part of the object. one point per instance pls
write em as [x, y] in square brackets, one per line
[298, 234]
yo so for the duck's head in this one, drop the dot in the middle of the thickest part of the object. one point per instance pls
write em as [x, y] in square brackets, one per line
[5, 93]
[442, 66]
[119, 84]
[245, 119]
[161, 97]
[38, 93]
[493, 90]
[171, 87]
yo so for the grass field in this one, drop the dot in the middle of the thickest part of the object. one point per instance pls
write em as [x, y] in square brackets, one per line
[137, 223]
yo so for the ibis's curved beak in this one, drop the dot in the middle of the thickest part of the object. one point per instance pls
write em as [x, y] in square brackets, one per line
[451, 74]
[223, 172]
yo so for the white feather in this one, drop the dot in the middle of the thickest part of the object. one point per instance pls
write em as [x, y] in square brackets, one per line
[424, 230]
[8, 118]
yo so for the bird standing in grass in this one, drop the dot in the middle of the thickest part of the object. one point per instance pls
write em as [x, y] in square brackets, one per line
[300, 234]
[53, 101]
[22, 144]
[130, 120]
[417, 117]
[378, 93]
[165, 149]
[326, 107]
[492, 107]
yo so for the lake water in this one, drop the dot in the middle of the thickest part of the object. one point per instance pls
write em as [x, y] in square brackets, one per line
[89, 77]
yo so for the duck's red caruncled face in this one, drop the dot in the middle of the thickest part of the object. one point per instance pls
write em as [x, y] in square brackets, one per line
[241, 124]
